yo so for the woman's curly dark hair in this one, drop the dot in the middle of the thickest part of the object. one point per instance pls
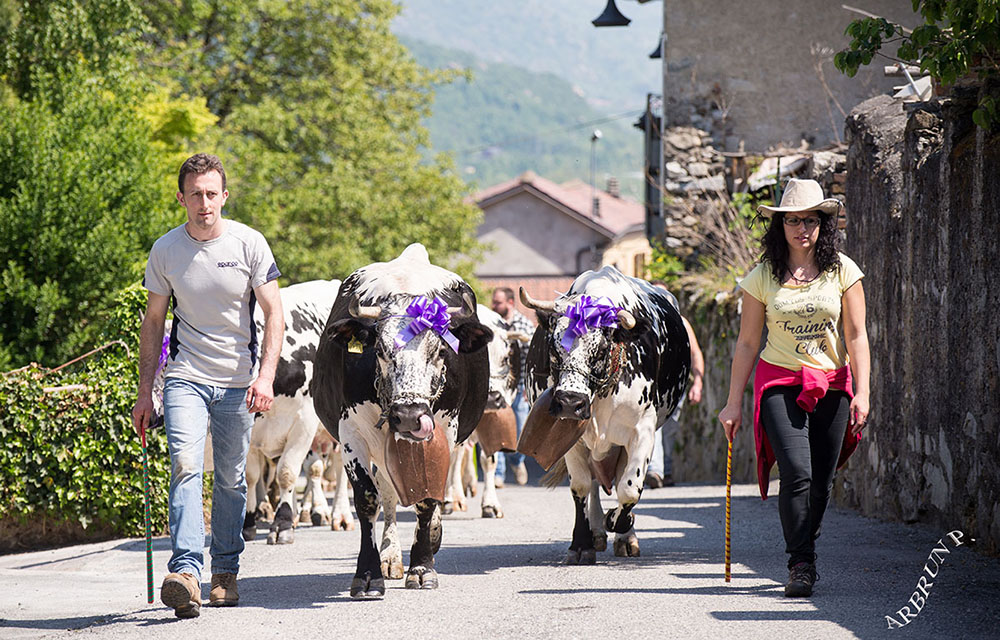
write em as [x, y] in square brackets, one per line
[776, 247]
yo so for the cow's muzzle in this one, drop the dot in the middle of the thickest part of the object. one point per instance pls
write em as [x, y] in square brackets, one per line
[411, 419]
[569, 404]
[495, 401]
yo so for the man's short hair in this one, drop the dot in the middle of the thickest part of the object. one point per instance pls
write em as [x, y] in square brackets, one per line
[200, 164]
[507, 292]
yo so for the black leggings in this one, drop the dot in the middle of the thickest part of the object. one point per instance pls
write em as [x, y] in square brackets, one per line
[807, 446]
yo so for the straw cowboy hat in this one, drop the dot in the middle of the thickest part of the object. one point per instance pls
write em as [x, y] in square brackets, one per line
[802, 195]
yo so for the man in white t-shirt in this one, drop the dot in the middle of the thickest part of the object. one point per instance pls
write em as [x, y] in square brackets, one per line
[212, 272]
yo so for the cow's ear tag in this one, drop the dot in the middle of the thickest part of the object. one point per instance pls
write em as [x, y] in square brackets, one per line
[354, 346]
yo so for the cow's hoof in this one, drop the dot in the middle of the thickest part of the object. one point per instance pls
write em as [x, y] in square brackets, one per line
[286, 536]
[618, 523]
[600, 541]
[448, 508]
[317, 519]
[461, 504]
[490, 511]
[305, 516]
[581, 556]
[342, 523]
[367, 588]
[250, 533]
[471, 490]
[627, 546]
[421, 578]
[392, 568]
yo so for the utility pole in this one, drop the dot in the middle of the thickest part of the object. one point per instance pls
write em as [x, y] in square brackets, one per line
[663, 113]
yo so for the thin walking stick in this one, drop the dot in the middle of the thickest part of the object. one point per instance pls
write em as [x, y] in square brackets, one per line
[729, 492]
[146, 510]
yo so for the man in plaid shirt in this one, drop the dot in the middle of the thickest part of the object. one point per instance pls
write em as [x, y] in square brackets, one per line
[513, 320]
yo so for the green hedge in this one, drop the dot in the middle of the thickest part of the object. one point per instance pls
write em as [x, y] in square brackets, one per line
[71, 456]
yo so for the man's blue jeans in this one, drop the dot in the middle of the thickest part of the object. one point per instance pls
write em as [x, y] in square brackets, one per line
[521, 409]
[189, 409]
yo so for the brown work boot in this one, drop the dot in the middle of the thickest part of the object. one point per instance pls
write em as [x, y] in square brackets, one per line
[182, 593]
[224, 593]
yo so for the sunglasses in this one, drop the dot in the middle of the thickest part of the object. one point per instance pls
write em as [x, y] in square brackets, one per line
[793, 221]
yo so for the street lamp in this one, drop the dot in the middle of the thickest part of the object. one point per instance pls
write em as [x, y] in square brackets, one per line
[595, 203]
[611, 17]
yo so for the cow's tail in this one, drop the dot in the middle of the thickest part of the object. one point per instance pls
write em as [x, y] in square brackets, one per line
[556, 475]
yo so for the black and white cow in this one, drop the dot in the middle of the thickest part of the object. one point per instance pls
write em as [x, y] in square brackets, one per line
[376, 379]
[504, 351]
[615, 352]
[283, 436]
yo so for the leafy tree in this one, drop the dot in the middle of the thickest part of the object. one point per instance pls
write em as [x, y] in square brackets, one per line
[958, 37]
[48, 39]
[319, 111]
[79, 208]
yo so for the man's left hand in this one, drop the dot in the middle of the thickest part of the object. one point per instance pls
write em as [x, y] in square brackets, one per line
[694, 393]
[260, 396]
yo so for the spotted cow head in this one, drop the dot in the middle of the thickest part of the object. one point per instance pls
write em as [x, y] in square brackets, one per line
[410, 376]
[582, 365]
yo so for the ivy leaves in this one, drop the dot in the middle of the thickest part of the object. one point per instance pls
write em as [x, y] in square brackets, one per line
[958, 38]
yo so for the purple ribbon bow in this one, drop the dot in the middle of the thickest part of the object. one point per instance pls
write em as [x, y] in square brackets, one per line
[587, 314]
[164, 352]
[427, 314]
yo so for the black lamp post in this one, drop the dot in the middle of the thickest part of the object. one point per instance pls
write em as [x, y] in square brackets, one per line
[595, 204]
[611, 17]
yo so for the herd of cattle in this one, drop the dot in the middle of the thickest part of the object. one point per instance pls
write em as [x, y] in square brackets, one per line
[399, 364]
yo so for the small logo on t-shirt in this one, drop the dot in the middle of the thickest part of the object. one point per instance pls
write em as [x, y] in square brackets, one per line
[231, 263]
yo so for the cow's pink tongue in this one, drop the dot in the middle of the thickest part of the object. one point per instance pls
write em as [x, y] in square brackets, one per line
[426, 427]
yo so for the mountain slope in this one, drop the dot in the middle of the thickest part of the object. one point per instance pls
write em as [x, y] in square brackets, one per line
[508, 120]
[611, 66]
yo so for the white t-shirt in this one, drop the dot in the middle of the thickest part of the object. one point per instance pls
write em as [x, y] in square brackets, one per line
[211, 285]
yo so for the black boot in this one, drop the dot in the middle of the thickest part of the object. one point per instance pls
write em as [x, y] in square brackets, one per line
[801, 579]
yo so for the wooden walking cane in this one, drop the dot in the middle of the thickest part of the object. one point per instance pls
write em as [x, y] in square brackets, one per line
[729, 491]
[146, 513]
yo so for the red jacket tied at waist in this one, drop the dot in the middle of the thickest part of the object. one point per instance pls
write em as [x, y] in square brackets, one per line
[815, 384]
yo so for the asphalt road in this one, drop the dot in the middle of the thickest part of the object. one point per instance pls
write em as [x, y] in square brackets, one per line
[506, 579]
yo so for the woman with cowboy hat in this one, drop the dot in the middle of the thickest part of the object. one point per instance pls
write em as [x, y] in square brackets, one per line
[808, 416]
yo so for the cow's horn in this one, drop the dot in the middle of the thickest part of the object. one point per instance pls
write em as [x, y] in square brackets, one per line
[357, 311]
[537, 305]
[626, 319]
[467, 308]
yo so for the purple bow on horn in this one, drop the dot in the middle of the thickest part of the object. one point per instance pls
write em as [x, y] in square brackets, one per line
[427, 314]
[164, 353]
[588, 314]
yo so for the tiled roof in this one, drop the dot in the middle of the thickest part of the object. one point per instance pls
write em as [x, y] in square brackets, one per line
[616, 216]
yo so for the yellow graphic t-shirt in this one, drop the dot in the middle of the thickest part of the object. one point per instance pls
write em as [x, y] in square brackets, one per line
[803, 320]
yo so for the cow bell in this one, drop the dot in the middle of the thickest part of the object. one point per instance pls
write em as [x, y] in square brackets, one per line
[497, 430]
[545, 437]
[418, 470]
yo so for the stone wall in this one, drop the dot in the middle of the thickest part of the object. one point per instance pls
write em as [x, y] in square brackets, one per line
[924, 196]
[699, 453]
